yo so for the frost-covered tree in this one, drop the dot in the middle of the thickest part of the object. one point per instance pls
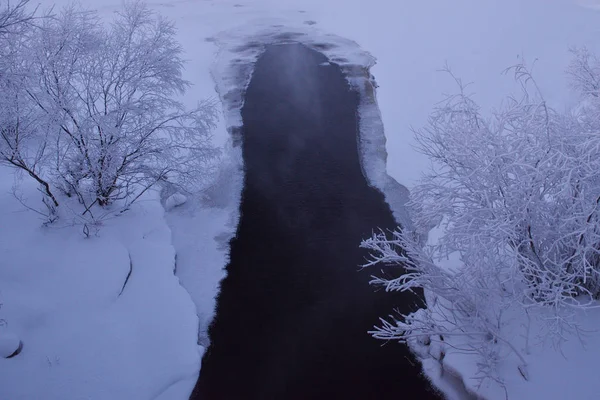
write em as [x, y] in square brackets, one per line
[15, 18]
[516, 197]
[101, 102]
[22, 142]
[109, 95]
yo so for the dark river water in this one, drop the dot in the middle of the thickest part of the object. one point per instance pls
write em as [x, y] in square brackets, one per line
[293, 313]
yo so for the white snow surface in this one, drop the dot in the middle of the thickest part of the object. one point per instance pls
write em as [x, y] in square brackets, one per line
[60, 291]
[202, 229]
[175, 200]
[85, 334]
[9, 343]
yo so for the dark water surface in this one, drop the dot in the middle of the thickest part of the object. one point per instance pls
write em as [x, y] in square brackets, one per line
[294, 311]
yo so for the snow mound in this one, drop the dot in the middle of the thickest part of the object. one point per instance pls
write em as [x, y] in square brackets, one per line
[9, 344]
[175, 200]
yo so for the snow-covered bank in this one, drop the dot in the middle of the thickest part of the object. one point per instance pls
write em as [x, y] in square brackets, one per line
[85, 333]
[201, 230]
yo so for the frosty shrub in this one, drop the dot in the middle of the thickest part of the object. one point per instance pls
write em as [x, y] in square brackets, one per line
[21, 139]
[516, 197]
[92, 109]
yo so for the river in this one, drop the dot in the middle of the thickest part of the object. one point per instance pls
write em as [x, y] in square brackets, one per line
[294, 310]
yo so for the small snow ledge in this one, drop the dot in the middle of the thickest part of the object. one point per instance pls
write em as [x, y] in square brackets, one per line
[201, 231]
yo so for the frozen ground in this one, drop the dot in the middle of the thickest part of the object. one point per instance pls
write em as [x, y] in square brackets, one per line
[61, 291]
[85, 333]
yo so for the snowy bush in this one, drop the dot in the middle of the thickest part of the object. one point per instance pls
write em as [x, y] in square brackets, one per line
[22, 141]
[516, 197]
[91, 111]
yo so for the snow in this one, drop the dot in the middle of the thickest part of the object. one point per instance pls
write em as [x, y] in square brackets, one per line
[85, 334]
[202, 229]
[60, 291]
[553, 370]
[9, 344]
[591, 4]
[175, 200]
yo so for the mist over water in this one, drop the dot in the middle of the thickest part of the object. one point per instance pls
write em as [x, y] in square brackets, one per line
[294, 311]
